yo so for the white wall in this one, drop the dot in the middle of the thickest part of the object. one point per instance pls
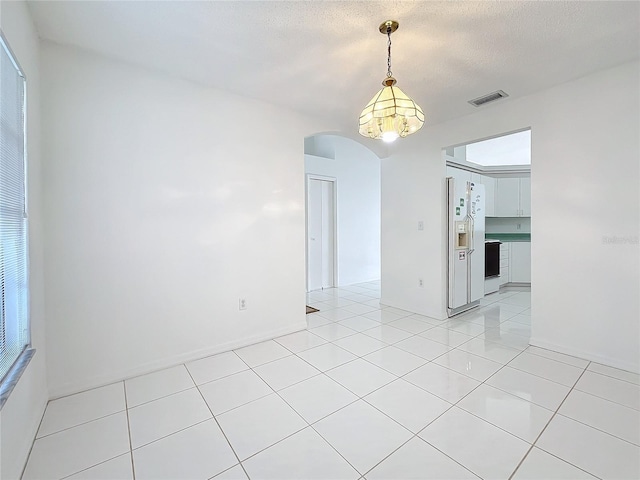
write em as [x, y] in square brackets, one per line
[585, 150]
[21, 415]
[357, 170]
[413, 190]
[165, 203]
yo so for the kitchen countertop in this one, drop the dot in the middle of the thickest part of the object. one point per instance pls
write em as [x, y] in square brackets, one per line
[508, 237]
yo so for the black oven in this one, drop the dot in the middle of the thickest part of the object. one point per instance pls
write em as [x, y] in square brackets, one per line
[492, 259]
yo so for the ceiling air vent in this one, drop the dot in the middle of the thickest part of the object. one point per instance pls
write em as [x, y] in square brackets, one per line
[491, 97]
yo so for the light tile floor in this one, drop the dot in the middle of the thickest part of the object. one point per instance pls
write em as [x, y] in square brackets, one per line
[367, 392]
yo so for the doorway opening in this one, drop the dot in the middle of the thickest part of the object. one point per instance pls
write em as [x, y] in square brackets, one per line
[502, 165]
[321, 232]
[342, 238]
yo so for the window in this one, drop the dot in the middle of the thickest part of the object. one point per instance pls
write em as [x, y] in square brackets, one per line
[14, 284]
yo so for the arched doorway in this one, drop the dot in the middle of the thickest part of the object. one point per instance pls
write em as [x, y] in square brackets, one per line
[342, 181]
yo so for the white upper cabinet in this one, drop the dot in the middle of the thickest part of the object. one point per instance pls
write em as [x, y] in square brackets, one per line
[513, 197]
[525, 197]
[489, 195]
[507, 197]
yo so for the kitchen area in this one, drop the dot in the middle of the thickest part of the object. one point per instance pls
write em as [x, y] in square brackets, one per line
[499, 168]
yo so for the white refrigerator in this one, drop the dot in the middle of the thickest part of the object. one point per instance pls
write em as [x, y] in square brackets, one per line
[466, 229]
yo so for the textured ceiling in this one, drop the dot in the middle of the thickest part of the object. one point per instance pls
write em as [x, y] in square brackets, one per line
[327, 58]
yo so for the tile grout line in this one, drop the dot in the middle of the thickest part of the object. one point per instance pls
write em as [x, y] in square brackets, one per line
[608, 399]
[310, 425]
[358, 397]
[397, 377]
[219, 427]
[81, 424]
[533, 444]
[559, 361]
[362, 357]
[93, 466]
[194, 387]
[591, 474]
[89, 389]
[276, 392]
[484, 382]
[242, 404]
[463, 397]
[170, 434]
[598, 429]
[446, 455]
[320, 372]
[126, 407]
[273, 392]
[210, 381]
[100, 462]
[427, 360]
[571, 387]
[415, 435]
[614, 378]
[78, 425]
[538, 376]
[456, 405]
[24, 468]
[147, 402]
[523, 371]
[504, 365]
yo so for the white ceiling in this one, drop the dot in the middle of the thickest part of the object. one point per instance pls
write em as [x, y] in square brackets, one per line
[327, 58]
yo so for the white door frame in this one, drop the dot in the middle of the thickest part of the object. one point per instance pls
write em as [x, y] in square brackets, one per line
[334, 180]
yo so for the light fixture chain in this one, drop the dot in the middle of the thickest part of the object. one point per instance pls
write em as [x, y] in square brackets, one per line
[389, 53]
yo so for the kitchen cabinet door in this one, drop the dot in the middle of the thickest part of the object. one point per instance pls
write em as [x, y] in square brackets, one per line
[520, 262]
[490, 196]
[525, 197]
[504, 262]
[507, 197]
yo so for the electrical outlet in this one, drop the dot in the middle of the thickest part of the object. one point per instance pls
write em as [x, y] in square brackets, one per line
[420, 225]
[242, 303]
[420, 283]
[519, 226]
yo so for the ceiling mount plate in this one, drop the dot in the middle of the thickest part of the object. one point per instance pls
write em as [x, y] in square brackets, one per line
[389, 26]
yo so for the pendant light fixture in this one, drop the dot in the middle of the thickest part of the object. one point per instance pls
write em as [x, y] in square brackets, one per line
[390, 113]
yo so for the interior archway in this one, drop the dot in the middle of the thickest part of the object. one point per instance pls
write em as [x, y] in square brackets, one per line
[353, 225]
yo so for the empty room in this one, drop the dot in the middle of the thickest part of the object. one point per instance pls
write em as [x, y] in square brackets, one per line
[319, 240]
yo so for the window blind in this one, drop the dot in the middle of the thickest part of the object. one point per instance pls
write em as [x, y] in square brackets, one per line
[14, 285]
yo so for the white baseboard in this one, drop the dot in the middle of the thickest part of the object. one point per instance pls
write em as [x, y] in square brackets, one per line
[437, 315]
[117, 376]
[591, 356]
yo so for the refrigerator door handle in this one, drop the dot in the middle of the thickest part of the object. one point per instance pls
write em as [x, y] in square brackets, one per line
[470, 219]
[471, 235]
